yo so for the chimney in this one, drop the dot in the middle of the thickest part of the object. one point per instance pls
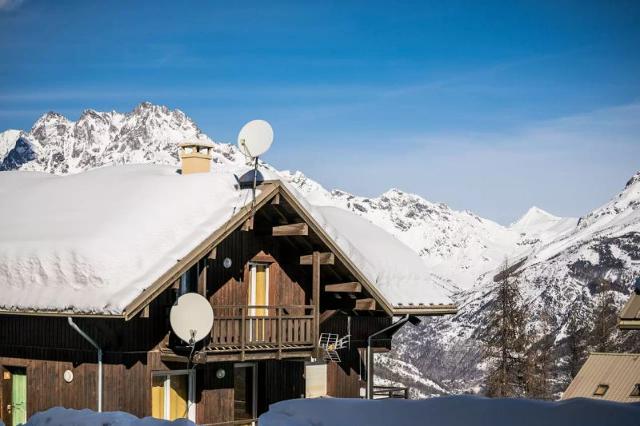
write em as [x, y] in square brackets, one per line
[195, 157]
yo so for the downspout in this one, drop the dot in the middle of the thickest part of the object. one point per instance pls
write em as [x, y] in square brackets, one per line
[370, 373]
[95, 345]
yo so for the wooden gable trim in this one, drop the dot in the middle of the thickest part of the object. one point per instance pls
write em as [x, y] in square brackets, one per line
[328, 241]
[429, 310]
[373, 291]
[268, 189]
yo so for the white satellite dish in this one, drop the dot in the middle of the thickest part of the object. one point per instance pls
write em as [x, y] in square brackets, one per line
[191, 318]
[255, 138]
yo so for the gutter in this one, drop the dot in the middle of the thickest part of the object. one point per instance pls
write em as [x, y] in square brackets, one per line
[370, 374]
[95, 345]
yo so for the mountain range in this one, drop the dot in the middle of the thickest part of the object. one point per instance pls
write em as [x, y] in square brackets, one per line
[558, 262]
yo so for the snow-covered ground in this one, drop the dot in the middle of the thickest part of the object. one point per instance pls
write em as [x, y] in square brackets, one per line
[59, 416]
[450, 411]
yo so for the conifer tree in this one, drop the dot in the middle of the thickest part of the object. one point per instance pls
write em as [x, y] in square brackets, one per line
[505, 339]
[604, 319]
[576, 343]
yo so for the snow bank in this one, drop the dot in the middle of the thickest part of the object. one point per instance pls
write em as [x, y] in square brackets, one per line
[450, 411]
[59, 416]
[92, 242]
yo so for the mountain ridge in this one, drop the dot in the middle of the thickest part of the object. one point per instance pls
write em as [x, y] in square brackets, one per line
[559, 260]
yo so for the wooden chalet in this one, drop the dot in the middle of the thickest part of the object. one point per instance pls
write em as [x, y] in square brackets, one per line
[277, 274]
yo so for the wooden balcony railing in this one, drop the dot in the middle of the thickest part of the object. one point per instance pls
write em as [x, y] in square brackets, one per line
[384, 392]
[242, 329]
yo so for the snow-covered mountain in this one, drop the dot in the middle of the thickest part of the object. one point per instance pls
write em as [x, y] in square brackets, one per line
[559, 260]
[148, 134]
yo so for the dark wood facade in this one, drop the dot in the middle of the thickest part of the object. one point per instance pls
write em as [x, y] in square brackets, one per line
[136, 349]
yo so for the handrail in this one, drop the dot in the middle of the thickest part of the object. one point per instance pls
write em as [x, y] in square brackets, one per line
[263, 306]
[391, 391]
[249, 328]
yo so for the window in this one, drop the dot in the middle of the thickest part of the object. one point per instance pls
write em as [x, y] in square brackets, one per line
[172, 395]
[189, 280]
[636, 390]
[258, 299]
[601, 390]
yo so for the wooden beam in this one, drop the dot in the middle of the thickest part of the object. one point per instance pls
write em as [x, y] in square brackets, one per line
[327, 314]
[290, 230]
[213, 253]
[276, 199]
[315, 284]
[365, 305]
[323, 258]
[248, 224]
[352, 287]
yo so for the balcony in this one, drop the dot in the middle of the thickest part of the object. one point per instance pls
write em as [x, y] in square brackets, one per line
[388, 392]
[274, 331]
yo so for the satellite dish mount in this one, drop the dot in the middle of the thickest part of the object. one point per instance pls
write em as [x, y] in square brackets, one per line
[255, 138]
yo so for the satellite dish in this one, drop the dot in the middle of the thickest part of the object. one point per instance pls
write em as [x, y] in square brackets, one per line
[191, 318]
[255, 138]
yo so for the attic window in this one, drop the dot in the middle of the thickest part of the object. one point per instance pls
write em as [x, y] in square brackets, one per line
[636, 390]
[601, 390]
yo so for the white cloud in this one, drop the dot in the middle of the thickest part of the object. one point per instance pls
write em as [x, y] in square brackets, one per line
[10, 4]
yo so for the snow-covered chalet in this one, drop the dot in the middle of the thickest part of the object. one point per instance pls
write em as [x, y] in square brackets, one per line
[91, 264]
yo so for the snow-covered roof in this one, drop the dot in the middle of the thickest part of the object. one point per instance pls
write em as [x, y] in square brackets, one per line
[92, 242]
[395, 270]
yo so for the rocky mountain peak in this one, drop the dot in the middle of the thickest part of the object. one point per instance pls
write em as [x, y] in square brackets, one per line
[634, 180]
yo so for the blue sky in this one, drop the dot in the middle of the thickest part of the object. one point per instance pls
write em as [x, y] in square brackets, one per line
[491, 107]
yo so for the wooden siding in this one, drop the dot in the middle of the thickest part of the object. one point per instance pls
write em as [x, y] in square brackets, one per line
[278, 381]
[230, 286]
[345, 379]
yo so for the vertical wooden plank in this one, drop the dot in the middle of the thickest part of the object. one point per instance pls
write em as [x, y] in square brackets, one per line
[315, 282]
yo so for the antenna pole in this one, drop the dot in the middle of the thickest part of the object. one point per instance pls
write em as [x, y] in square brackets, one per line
[253, 189]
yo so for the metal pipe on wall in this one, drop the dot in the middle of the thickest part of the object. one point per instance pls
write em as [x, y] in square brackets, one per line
[370, 372]
[95, 345]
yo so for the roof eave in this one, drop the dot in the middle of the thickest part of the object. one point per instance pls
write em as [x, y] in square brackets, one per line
[427, 310]
[44, 313]
[629, 324]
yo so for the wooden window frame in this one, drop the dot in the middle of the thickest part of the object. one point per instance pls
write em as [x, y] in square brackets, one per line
[601, 389]
[191, 391]
[252, 283]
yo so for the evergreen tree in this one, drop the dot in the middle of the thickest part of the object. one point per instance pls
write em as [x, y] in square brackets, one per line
[505, 339]
[540, 360]
[604, 320]
[576, 344]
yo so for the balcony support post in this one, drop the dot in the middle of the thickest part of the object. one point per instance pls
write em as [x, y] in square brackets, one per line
[243, 332]
[315, 266]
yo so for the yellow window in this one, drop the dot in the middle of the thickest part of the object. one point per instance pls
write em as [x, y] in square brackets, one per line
[170, 396]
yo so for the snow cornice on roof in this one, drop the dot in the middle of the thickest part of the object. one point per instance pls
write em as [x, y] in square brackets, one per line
[384, 279]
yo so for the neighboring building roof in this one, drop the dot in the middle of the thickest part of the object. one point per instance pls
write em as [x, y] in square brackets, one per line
[609, 376]
[97, 241]
[630, 314]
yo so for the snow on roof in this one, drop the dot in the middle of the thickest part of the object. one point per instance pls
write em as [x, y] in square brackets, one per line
[396, 270]
[91, 242]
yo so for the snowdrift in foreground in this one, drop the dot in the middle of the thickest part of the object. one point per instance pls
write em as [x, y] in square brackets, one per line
[450, 411]
[59, 416]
